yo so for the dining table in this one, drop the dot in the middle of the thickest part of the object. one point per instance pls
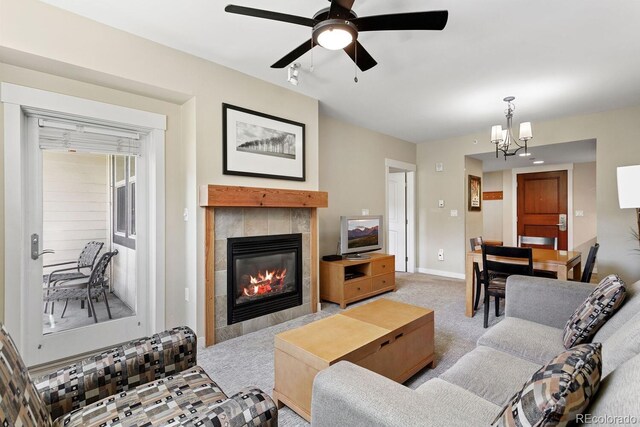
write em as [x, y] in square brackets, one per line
[558, 261]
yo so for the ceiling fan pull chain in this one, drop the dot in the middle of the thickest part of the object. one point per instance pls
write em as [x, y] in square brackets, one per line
[355, 50]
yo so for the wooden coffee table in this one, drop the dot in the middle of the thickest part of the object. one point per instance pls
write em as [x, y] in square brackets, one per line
[388, 337]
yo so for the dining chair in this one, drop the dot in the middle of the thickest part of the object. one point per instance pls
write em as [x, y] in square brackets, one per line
[85, 262]
[591, 261]
[496, 271]
[92, 288]
[530, 241]
[476, 243]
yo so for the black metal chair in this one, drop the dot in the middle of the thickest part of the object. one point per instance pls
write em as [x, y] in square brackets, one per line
[92, 288]
[591, 261]
[476, 243]
[511, 261]
[85, 262]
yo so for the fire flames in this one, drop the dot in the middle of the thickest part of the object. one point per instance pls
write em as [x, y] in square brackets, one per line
[265, 283]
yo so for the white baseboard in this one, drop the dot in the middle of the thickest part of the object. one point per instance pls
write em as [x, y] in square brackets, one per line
[441, 273]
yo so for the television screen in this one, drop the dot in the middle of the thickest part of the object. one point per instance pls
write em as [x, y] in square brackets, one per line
[362, 233]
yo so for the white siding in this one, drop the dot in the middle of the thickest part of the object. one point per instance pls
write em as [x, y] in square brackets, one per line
[75, 203]
[123, 279]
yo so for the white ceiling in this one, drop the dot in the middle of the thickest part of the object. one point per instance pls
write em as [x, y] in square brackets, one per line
[558, 58]
[553, 154]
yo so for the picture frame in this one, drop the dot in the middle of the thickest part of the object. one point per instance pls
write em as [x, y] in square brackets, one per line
[475, 193]
[261, 145]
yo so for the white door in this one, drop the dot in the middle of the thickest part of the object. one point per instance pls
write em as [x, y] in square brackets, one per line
[397, 215]
[74, 199]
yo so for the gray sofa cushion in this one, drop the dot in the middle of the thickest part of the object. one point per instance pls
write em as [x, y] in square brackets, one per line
[528, 340]
[623, 345]
[630, 307]
[349, 395]
[490, 374]
[618, 394]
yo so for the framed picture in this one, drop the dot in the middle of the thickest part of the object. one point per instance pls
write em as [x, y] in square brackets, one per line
[260, 145]
[475, 193]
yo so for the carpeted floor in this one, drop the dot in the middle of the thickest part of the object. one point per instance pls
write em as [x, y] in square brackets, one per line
[248, 360]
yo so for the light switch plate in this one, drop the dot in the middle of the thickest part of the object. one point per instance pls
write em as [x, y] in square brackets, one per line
[454, 212]
[579, 213]
[441, 203]
[365, 211]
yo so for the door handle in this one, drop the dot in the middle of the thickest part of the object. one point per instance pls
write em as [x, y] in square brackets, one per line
[35, 247]
[562, 222]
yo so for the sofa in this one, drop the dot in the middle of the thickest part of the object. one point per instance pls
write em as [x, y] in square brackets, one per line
[147, 382]
[473, 391]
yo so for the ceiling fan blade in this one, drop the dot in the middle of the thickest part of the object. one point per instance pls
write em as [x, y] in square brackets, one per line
[340, 9]
[294, 54]
[432, 20]
[267, 14]
[360, 56]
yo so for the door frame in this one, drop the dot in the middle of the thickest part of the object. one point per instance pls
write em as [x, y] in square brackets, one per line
[17, 100]
[514, 196]
[410, 169]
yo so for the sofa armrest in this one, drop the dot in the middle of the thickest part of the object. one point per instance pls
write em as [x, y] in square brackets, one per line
[250, 407]
[547, 301]
[349, 395]
[118, 369]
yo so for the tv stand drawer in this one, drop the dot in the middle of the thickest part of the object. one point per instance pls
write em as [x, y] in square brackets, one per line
[382, 266]
[356, 289]
[384, 281]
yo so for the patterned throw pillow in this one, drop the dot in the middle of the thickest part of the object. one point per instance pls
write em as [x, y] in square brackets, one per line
[558, 392]
[594, 312]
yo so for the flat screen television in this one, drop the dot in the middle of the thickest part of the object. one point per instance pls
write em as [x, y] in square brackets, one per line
[359, 234]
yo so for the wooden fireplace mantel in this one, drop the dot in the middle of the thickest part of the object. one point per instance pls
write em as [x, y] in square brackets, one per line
[218, 196]
[232, 196]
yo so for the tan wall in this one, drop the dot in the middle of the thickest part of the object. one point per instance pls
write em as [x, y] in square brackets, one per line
[352, 170]
[584, 199]
[473, 219]
[492, 209]
[87, 51]
[615, 133]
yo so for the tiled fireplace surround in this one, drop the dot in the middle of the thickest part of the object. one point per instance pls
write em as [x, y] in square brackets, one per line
[235, 211]
[246, 222]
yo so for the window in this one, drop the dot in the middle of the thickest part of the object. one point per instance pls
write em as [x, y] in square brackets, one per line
[124, 200]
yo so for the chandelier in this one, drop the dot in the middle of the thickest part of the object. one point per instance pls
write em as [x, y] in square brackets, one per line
[504, 140]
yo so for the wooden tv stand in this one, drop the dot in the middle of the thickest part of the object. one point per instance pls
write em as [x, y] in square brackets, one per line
[373, 276]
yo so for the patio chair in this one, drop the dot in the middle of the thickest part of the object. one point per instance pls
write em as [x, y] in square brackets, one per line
[85, 261]
[92, 288]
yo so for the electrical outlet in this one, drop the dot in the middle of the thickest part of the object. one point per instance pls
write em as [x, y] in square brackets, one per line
[365, 212]
[441, 203]
[440, 254]
[186, 294]
[185, 214]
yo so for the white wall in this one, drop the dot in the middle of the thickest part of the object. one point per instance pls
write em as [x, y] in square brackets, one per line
[75, 203]
[615, 132]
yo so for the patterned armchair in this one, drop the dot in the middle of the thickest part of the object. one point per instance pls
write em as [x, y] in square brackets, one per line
[151, 381]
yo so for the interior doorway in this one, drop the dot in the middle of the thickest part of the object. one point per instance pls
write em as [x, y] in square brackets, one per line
[400, 213]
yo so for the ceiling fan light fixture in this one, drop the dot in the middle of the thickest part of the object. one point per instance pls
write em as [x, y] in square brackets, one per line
[335, 38]
[335, 34]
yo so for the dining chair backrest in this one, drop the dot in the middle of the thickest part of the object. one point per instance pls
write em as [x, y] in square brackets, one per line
[475, 243]
[520, 261]
[591, 260]
[529, 241]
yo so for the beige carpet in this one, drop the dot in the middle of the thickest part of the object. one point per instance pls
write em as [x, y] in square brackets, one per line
[248, 360]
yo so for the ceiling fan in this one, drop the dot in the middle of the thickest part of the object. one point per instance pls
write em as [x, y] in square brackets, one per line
[337, 27]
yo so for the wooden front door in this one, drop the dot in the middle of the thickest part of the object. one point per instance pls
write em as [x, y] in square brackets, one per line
[542, 199]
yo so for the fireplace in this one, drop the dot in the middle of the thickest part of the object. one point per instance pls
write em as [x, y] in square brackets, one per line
[264, 275]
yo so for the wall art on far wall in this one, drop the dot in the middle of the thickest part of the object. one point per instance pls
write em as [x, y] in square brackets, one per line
[475, 193]
[259, 145]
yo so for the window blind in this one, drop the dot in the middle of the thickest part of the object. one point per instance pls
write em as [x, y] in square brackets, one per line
[65, 136]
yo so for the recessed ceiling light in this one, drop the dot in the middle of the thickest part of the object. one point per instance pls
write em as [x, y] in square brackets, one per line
[538, 162]
[524, 154]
